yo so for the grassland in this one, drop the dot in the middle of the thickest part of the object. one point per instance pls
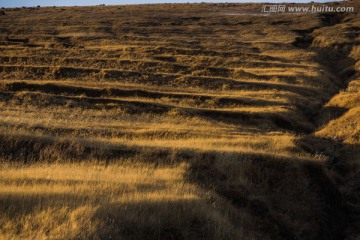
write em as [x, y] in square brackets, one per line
[179, 121]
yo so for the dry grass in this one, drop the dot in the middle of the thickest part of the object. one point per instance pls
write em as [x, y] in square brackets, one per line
[91, 201]
[177, 121]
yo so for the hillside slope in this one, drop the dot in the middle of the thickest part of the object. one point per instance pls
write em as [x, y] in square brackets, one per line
[341, 130]
[178, 121]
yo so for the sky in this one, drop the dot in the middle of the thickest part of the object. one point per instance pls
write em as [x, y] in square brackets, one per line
[29, 3]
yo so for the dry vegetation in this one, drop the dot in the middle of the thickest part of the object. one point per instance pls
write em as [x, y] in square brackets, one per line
[179, 121]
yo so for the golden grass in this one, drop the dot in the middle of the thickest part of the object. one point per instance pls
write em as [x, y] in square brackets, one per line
[91, 201]
[175, 121]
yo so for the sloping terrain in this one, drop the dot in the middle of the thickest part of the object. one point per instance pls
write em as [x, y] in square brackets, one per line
[178, 121]
[339, 131]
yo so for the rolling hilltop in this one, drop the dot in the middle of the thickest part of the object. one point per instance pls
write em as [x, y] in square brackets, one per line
[179, 121]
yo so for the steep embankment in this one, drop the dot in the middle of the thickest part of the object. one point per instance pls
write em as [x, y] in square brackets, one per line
[338, 133]
[340, 121]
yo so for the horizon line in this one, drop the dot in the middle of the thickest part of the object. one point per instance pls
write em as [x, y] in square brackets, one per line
[13, 4]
